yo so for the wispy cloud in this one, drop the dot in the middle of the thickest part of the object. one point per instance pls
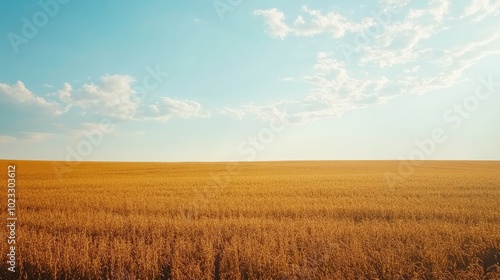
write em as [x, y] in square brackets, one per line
[18, 94]
[336, 90]
[232, 112]
[403, 58]
[310, 23]
[168, 108]
[402, 47]
[478, 10]
[26, 137]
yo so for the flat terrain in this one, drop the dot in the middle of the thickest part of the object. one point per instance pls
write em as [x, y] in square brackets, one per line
[267, 220]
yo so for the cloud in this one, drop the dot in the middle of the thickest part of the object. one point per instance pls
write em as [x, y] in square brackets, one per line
[338, 87]
[311, 23]
[275, 22]
[234, 113]
[168, 108]
[399, 42]
[387, 5]
[293, 112]
[334, 91]
[332, 22]
[269, 112]
[480, 9]
[112, 96]
[410, 55]
[438, 9]
[452, 64]
[412, 70]
[26, 137]
[331, 76]
[402, 42]
[18, 94]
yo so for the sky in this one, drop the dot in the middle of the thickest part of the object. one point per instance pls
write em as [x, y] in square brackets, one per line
[238, 80]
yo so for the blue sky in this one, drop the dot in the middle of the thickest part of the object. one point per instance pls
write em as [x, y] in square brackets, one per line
[249, 80]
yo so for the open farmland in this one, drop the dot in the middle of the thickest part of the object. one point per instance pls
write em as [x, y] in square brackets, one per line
[268, 220]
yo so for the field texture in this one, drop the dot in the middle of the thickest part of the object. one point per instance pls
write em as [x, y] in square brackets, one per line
[280, 220]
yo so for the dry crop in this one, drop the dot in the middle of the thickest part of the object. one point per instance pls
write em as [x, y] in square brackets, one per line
[268, 220]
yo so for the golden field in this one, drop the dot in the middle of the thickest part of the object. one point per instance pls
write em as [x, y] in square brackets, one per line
[265, 220]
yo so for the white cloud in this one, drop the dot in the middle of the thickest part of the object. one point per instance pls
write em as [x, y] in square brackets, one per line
[400, 42]
[337, 87]
[275, 22]
[153, 108]
[274, 111]
[438, 9]
[112, 96]
[183, 108]
[408, 56]
[321, 55]
[453, 65]
[168, 108]
[412, 70]
[235, 113]
[332, 22]
[292, 112]
[393, 4]
[19, 94]
[403, 42]
[64, 94]
[480, 9]
[334, 91]
[331, 76]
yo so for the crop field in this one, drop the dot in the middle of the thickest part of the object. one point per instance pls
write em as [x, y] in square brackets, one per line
[259, 220]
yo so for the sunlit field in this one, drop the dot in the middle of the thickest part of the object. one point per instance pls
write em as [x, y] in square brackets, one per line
[263, 220]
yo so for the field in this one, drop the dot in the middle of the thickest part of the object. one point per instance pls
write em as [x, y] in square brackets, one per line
[263, 220]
